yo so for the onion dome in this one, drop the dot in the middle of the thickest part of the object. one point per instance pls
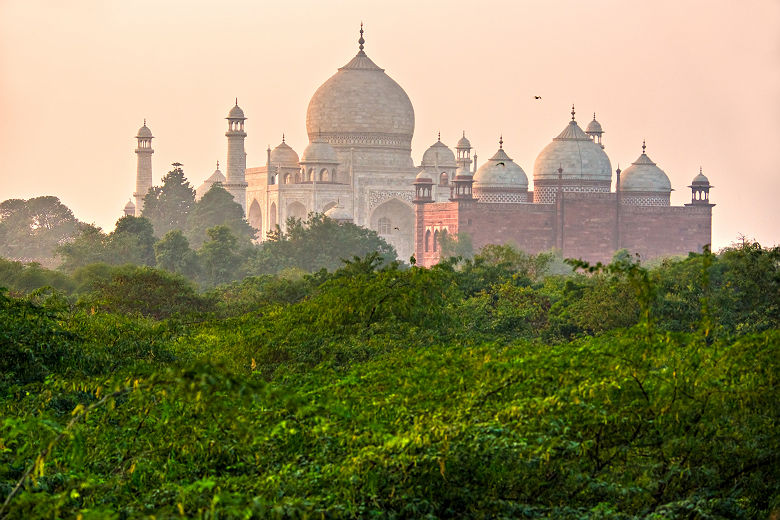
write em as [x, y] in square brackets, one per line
[500, 171]
[463, 142]
[319, 151]
[236, 112]
[284, 155]
[215, 177]
[339, 214]
[575, 152]
[129, 208]
[144, 131]
[644, 175]
[594, 127]
[700, 180]
[361, 99]
[438, 155]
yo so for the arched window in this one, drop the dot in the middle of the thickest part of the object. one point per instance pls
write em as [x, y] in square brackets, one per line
[324, 175]
[311, 174]
[427, 240]
[287, 178]
[443, 179]
[384, 226]
[436, 240]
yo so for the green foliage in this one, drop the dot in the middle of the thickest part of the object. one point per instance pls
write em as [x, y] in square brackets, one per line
[220, 257]
[318, 243]
[168, 206]
[34, 228]
[141, 234]
[172, 253]
[458, 246]
[484, 388]
[25, 278]
[147, 292]
[217, 208]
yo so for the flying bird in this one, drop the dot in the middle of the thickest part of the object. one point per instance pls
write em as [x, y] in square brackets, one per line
[537, 97]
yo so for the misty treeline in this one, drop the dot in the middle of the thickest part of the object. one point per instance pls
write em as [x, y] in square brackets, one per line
[485, 387]
[207, 241]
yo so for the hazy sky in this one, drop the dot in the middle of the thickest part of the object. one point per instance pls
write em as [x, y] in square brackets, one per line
[700, 80]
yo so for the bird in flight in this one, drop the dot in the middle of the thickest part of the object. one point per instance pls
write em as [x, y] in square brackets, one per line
[537, 97]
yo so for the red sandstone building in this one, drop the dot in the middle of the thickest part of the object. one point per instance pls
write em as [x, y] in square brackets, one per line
[571, 209]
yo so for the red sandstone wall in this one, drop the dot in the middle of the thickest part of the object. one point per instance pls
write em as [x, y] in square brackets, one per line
[664, 231]
[589, 221]
[589, 226]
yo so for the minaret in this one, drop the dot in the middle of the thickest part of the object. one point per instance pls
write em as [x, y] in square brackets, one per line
[463, 155]
[143, 179]
[235, 183]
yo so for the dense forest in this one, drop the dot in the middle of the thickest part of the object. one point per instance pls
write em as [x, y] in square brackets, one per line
[293, 384]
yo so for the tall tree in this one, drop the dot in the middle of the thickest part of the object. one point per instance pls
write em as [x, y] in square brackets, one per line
[168, 206]
[220, 257]
[217, 208]
[137, 236]
[34, 228]
[173, 254]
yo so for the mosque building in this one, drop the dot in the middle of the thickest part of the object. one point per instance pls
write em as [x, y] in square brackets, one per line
[358, 168]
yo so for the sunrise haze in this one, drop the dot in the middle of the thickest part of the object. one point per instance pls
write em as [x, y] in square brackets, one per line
[699, 81]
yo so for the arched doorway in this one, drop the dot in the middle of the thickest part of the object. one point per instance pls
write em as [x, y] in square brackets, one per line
[394, 221]
[296, 210]
[255, 218]
[273, 218]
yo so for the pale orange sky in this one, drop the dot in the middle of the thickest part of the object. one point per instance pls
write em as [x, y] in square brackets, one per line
[700, 80]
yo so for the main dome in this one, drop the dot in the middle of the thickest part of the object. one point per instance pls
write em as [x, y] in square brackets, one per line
[361, 99]
[577, 154]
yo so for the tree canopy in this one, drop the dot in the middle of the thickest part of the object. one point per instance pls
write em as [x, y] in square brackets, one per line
[168, 206]
[33, 228]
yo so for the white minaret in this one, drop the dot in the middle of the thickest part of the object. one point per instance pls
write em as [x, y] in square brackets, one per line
[235, 183]
[143, 180]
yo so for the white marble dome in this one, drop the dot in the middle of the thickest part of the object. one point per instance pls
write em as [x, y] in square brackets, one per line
[500, 171]
[319, 151]
[463, 142]
[700, 180]
[360, 99]
[594, 127]
[129, 206]
[215, 177]
[284, 155]
[438, 155]
[144, 131]
[339, 214]
[577, 154]
[236, 112]
[645, 176]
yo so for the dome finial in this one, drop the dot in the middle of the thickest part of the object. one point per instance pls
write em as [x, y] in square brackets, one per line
[282, 137]
[236, 101]
[572, 111]
[144, 121]
[361, 41]
[440, 136]
[501, 141]
[464, 133]
[594, 116]
[644, 146]
[217, 165]
[700, 172]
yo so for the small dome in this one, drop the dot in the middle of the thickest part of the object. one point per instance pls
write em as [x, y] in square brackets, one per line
[215, 177]
[284, 155]
[144, 131]
[438, 155]
[423, 176]
[500, 172]
[129, 205]
[319, 151]
[339, 214]
[236, 112]
[463, 142]
[644, 175]
[700, 180]
[575, 152]
[594, 127]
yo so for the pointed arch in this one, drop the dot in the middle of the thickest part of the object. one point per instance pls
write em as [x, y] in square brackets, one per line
[255, 216]
[273, 219]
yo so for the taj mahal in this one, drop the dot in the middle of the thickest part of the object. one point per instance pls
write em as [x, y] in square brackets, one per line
[358, 167]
